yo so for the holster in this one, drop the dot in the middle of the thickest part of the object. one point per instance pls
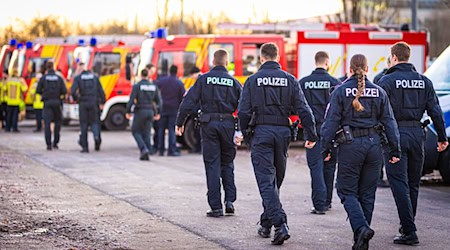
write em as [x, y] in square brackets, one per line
[344, 135]
[197, 119]
[294, 130]
[250, 131]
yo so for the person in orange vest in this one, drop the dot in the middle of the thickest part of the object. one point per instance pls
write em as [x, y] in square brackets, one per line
[38, 104]
[15, 90]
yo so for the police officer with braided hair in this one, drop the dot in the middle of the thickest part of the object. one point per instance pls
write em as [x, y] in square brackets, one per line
[410, 94]
[88, 91]
[269, 97]
[52, 89]
[356, 107]
[218, 94]
[316, 88]
[147, 103]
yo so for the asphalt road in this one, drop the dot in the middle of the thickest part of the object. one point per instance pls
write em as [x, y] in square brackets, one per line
[174, 188]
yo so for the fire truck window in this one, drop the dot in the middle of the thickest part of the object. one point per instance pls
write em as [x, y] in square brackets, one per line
[106, 64]
[228, 47]
[36, 65]
[135, 58]
[182, 59]
[7, 60]
[250, 58]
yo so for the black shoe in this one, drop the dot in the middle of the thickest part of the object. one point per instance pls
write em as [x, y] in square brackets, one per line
[97, 145]
[407, 239]
[84, 150]
[363, 235]
[16, 131]
[49, 148]
[229, 208]
[36, 131]
[161, 154]
[174, 154]
[281, 234]
[144, 155]
[316, 211]
[55, 146]
[383, 183]
[264, 231]
[214, 213]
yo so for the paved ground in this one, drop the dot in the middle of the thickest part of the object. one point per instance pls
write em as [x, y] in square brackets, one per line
[162, 203]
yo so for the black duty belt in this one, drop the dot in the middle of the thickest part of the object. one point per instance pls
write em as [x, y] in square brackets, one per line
[412, 124]
[360, 132]
[273, 120]
[144, 106]
[219, 116]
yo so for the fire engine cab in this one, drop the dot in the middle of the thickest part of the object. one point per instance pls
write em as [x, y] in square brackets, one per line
[5, 57]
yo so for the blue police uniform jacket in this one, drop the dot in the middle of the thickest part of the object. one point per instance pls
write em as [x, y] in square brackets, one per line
[51, 86]
[216, 91]
[317, 89]
[272, 92]
[377, 109]
[411, 94]
[145, 95]
[379, 75]
[89, 88]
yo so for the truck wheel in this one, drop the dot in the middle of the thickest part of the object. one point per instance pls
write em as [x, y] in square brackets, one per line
[115, 120]
[444, 166]
[189, 134]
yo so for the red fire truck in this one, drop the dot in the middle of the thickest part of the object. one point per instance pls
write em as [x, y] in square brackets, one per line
[5, 56]
[108, 62]
[30, 61]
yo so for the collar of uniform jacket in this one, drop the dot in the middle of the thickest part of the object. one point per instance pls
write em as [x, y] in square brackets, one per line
[270, 65]
[221, 68]
[401, 67]
[320, 71]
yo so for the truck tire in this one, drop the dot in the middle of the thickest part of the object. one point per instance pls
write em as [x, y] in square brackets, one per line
[115, 120]
[189, 134]
[444, 166]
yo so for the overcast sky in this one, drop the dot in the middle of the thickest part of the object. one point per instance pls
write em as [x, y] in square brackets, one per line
[97, 11]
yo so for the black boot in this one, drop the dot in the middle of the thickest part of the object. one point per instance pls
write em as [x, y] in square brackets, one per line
[281, 234]
[363, 235]
[407, 239]
[144, 155]
[214, 213]
[97, 145]
[229, 208]
[264, 231]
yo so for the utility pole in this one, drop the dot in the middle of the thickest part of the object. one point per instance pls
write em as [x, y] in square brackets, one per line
[414, 8]
[182, 28]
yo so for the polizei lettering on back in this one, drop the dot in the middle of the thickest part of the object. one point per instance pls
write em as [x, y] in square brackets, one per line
[87, 76]
[317, 85]
[148, 88]
[272, 81]
[219, 81]
[410, 84]
[51, 78]
[368, 92]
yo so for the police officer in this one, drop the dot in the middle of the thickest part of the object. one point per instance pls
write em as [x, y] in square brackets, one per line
[410, 94]
[15, 90]
[316, 88]
[88, 91]
[218, 94]
[269, 97]
[381, 181]
[356, 107]
[146, 99]
[53, 89]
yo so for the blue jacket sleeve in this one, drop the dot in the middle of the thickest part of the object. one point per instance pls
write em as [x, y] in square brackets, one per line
[302, 109]
[74, 89]
[333, 117]
[434, 111]
[390, 125]
[100, 92]
[189, 102]
[245, 107]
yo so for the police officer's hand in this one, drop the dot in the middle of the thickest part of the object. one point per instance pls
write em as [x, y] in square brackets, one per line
[157, 117]
[394, 160]
[442, 146]
[179, 130]
[128, 116]
[327, 158]
[310, 144]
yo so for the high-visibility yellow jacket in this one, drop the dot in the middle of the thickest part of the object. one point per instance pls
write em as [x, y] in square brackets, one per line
[15, 88]
[2, 91]
[37, 102]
